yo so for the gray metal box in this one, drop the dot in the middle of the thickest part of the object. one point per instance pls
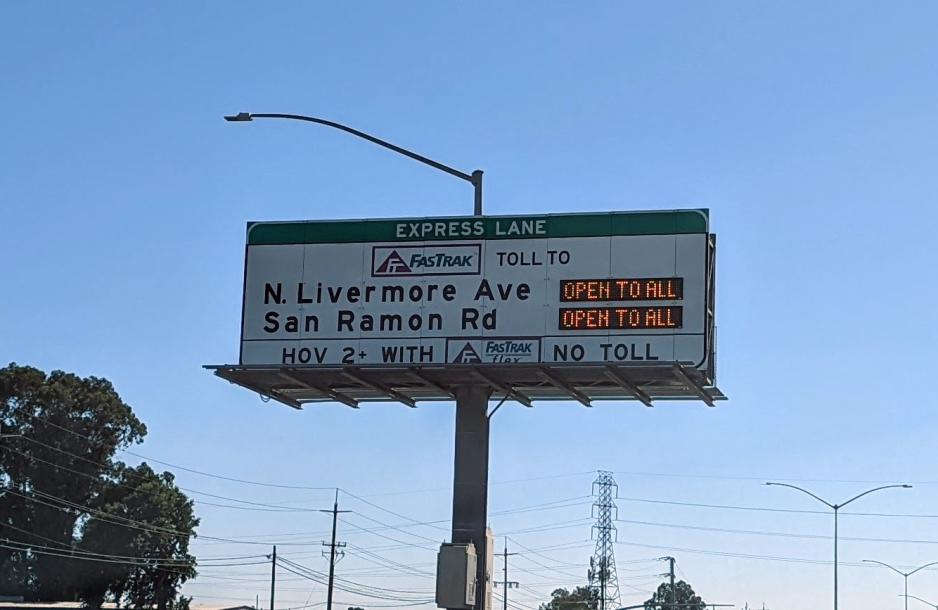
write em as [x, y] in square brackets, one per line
[456, 576]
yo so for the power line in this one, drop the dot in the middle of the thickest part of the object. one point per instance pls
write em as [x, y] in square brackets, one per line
[511, 604]
[393, 527]
[80, 554]
[350, 586]
[381, 560]
[184, 468]
[771, 509]
[401, 543]
[130, 523]
[550, 526]
[71, 506]
[551, 569]
[741, 555]
[760, 479]
[432, 523]
[115, 519]
[502, 482]
[138, 561]
[575, 523]
[774, 534]
[561, 503]
[389, 511]
[539, 554]
[267, 507]
[73, 549]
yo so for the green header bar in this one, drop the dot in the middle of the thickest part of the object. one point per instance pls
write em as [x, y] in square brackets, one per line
[464, 228]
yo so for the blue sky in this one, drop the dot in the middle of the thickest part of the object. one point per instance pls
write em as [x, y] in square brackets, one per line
[807, 128]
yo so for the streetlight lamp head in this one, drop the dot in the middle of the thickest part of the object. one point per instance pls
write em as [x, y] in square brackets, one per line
[907, 487]
[241, 117]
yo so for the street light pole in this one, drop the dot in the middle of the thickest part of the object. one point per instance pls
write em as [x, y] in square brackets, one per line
[905, 575]
[475, 178]
[471, 464]
[836, 508]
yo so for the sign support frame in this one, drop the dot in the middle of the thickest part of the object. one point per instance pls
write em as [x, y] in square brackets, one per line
[471, 460]
[471, 477]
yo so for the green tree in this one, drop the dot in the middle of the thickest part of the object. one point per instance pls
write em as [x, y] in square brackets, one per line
[69, 430]
[65, 493]
[140, 514]
[681, 598]
[581, 598]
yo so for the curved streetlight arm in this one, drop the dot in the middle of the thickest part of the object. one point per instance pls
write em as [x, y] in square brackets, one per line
[886, 565]
[475, 178]
[871, 491]
[805, 491]
[923, 567]
[924, 601]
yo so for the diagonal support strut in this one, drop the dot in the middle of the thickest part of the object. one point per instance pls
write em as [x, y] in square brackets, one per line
[503, 387]
[325, 391]
[355, 375]
[563, 385]
[696, 387]
[613, 373]
[419, 376]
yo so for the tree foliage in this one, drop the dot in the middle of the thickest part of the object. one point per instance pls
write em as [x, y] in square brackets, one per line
[682, 597]
[65, 495]
[165, 517]
[581, 598]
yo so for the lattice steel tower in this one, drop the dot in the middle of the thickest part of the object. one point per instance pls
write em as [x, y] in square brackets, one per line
[602, 573]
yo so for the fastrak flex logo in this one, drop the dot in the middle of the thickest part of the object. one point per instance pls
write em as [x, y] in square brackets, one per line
[511, 350]
[495, 350]
[446, 259]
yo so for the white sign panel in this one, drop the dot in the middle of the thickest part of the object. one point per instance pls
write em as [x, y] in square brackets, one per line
[555, 289]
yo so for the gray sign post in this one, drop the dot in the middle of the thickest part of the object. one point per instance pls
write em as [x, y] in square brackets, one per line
[471, 477]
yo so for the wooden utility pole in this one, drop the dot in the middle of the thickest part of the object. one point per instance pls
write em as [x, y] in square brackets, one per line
[273, 576]
[506, 584]
[670, 575]
[333, 545]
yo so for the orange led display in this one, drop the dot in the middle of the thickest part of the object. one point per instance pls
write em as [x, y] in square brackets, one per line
[609, 318]
[625, 289]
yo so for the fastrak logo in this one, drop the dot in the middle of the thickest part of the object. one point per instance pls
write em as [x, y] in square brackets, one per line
[446, 259]
[393, 265]
[467, 355]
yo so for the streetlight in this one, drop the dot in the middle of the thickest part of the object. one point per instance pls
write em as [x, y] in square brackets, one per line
[905, 575]
[475, 178]
[472, 423]
[907, 596]
[836, 508]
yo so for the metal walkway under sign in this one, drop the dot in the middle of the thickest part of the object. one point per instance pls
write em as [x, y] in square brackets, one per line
[296, 386]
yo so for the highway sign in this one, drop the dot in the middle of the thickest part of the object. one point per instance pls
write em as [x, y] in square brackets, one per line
[631, 290]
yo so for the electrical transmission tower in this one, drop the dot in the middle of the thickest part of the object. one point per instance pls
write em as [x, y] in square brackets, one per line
[602, 573]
